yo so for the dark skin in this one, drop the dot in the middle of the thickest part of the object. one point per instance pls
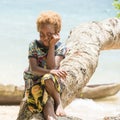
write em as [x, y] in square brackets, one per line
[48, 37]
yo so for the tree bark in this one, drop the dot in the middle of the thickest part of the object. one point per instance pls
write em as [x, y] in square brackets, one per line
[84, 45]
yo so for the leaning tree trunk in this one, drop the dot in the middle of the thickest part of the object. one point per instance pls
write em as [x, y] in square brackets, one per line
[84, 45]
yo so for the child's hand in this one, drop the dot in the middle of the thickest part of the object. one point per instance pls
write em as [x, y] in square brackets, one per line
[54, 39]
[59, 73]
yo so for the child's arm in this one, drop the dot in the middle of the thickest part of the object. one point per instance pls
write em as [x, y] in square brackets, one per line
[37, 69]
[51, 63]
[41, 71]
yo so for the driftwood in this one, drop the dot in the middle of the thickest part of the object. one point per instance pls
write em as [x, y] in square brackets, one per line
[14, 96]
[85, 43]
[10, 94]
[99, 91]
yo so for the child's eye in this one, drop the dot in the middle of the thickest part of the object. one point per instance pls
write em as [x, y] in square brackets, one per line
[41, 35]
[49, 34]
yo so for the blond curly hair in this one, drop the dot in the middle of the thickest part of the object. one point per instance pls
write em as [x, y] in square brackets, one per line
[49, 17]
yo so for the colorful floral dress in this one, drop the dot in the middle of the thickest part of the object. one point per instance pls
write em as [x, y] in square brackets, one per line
[35, 91]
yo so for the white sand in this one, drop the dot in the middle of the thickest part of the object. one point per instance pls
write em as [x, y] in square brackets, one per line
[8, 112]
[89, 109]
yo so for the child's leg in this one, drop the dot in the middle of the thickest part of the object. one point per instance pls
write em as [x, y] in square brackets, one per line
[48, 111]
[49, 84]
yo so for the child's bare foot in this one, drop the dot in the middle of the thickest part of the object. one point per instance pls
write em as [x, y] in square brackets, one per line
[59, 110]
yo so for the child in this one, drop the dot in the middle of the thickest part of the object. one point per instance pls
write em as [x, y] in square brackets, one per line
[42, 78]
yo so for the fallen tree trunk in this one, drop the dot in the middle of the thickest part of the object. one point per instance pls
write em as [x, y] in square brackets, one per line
[10, 100]
[85, 43]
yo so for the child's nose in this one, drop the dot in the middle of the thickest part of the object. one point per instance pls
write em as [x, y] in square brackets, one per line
[46, 38]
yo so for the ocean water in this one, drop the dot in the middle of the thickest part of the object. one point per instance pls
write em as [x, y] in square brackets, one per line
[18, 29]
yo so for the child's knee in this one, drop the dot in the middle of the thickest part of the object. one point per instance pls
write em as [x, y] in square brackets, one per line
[49, 83]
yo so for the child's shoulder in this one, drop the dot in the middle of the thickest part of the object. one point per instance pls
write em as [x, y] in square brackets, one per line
[33, 43]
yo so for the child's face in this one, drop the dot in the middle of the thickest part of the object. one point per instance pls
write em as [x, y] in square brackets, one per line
[46, 33]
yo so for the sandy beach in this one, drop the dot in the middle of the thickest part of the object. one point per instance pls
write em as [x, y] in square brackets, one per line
[87, 109]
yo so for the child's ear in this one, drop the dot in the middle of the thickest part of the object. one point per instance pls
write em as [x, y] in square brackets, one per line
[57, 31]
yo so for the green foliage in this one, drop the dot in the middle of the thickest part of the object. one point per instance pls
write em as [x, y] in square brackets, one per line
[116, 4]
